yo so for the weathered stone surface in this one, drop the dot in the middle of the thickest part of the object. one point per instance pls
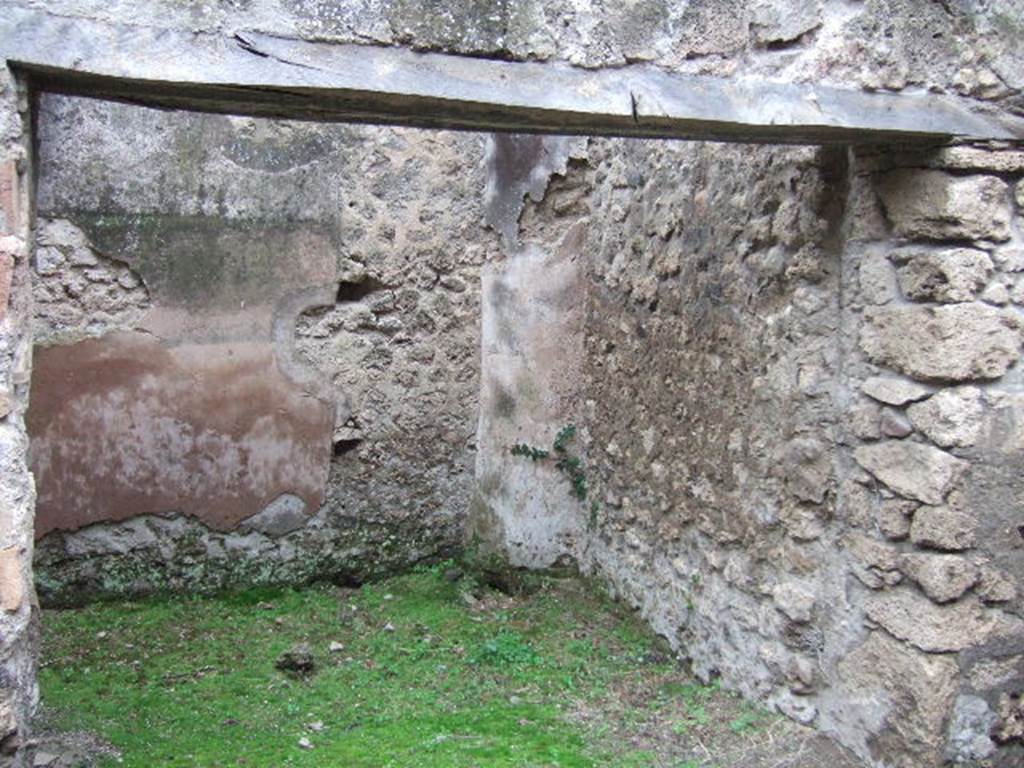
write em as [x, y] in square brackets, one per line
[12, 583]
[877, 279]
[978, 159]
[894, 423]
[936, 628]
[996, 586]
[911, 469]
[894, 516]
[1019, 195]
[947, 275]
[360, 83]
[875, 562]
[887, 389]
[942, 577]
[937, 206]
[915, 691]
[784, 23]
[943, 528]
[958, 342]
[1009, 258]
[795, 600]
[969, 730]
[283, 515]
[1010, 725]
[952, 417]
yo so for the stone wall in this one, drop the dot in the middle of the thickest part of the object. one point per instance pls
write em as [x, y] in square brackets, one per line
[785, 520]
[19, 692]
[257, 349]
[932, 498]
[798, 418]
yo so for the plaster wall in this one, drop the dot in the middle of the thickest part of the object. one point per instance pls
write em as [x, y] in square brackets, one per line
[257, 349]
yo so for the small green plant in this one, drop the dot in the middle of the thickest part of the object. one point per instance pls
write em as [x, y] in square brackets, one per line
[750, 719]
[565, 462]
[506, 649]
[534, 454]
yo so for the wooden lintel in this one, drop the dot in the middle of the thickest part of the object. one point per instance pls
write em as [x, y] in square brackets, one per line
[256, 74]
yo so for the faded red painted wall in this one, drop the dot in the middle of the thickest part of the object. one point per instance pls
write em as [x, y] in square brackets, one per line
[125, 425]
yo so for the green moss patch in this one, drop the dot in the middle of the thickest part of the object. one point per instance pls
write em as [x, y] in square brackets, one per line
[414, 671]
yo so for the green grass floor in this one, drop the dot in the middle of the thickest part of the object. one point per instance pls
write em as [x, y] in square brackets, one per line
[432, 673]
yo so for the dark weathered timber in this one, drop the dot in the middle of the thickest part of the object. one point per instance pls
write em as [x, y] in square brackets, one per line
[255, 74]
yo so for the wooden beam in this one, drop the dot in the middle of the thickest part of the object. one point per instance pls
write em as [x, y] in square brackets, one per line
[257, 74]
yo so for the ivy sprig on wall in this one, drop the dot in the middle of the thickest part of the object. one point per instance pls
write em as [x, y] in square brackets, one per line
[566, 462]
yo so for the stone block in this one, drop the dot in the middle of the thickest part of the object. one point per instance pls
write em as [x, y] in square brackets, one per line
[1009, 259]
[943, 528]
[795, 600]
[1019, 195]
[996, 586]
[893, 391]
[894, 423]
[978, 159]
[914, 470]
[952, 417]
[969, 730]
[877, 279]
[957, 342]
[894, 516]
[934, 628]
[12, 583]
[875, 563]
[949, 275]
[933, 205]
[920, 688]
[942, 577]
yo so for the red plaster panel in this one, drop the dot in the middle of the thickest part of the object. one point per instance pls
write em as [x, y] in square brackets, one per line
[124, 425]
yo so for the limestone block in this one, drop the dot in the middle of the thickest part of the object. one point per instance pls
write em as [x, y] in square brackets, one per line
[1019, 195]
[875, 563]
[990, 673]
[1009, 259]
[808, 469]
[894, 517]
[1016, 292]
[978, 159]
[914, 470]
[796, 600]
[948, 275]
[12, 583]
[950, 417]
[942, 577]
[943, 528]
[995, 586]
[783, 22]
[957, 342]
[921, 688]
[997, 293]
[864, 420]
[877, 279]
[934, 205]
[894, 423]
[933, 628]
[893, 391]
